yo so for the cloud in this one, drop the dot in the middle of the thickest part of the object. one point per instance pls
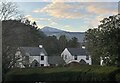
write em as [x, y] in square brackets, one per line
[85, 0]
[96, 21]
[73, 0]
[31, 18]
[61, 10]
[37, 19]
[89, 13]
[77, 11]
[50, 21]
[40, 26]
[46, 0]
[63, 0]
[53, 23]
[102, 8]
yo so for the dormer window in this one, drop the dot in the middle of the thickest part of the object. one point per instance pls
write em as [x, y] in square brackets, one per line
[75, 57]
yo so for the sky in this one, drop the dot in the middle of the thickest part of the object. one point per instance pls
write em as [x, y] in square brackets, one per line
[68, 15]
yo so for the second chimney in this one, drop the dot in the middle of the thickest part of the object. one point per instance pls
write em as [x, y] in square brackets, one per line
[40, 46]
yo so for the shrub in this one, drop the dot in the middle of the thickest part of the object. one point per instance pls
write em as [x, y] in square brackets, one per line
[118, 78]
[79, 73]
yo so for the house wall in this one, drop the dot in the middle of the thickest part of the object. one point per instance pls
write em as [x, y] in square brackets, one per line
[70, 58]
[66, 53]
[38, 58]
[31, 59]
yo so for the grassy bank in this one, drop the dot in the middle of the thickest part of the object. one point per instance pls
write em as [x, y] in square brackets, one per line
[81, 73]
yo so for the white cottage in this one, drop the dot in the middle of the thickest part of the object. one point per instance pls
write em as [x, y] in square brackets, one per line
[31, 57]
[78, 55]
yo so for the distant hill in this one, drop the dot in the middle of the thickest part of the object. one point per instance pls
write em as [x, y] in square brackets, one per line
[49, 31]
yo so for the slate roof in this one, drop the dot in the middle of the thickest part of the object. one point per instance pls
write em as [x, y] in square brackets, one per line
[55, 60]
[33, 51]
[77, 51]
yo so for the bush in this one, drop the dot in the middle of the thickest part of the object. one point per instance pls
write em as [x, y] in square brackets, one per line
[80, 73]
[118, 78]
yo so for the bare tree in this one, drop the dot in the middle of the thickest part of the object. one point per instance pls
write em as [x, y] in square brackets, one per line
[8, 10]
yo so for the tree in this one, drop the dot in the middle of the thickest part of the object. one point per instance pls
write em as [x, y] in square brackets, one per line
[8, 10]
[62, 42]
[34, 24]
[51, 45]
[104, 40]
[27, 22]
[73, 43]
[16, 34]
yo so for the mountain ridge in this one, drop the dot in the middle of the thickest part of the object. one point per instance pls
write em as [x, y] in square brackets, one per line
[50, 31]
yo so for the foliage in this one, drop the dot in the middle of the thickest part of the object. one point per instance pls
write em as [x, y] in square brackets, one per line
[73, 43]
[14, 35]
[104, 40]
[78, 73]
[51, 45]
[118, 77]
[55, 46]
[8, 10]
[62, 42]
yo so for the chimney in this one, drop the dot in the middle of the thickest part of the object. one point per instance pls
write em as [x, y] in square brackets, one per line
[40, 46]
[83, 47]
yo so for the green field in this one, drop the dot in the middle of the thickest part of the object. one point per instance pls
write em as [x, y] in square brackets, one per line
[78, 73]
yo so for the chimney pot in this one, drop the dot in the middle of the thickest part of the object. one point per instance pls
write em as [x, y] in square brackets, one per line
[40, 46]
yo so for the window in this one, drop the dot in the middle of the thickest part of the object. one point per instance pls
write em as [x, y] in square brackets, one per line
[87, 57]
[75, 57]
[42, 57]
[62, 55]
[65, 56]
[36, 64]
[42, 65]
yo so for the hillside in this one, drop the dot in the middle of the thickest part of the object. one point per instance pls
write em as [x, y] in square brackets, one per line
[15, 33]
[49, 31]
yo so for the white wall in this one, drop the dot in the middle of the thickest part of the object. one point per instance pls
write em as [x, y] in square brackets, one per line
[38, 58]
[31, 59]
[70, 58]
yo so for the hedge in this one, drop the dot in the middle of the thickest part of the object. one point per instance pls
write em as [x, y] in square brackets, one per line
[82, 73]
[118, 77]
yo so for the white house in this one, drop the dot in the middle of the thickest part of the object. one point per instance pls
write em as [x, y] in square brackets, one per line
[31, 57]
[76, 55]
[35, 57]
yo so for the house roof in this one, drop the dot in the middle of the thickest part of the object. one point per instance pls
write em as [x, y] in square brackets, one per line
[77, 51]
[55, 60]
[33, 51]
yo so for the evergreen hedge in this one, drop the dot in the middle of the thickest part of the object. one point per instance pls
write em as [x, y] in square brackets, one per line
[80, 73]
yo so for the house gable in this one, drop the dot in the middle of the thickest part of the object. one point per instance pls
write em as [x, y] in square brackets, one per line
[75, 55]
[66, 55]
[34, 55]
